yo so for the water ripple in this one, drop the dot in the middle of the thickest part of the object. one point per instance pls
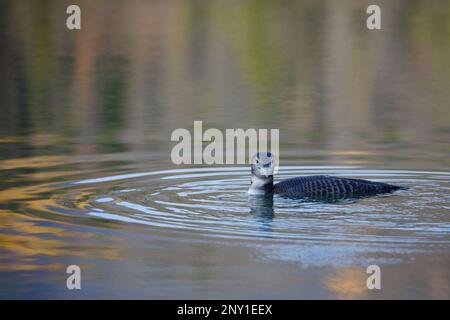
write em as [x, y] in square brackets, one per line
[213, 202]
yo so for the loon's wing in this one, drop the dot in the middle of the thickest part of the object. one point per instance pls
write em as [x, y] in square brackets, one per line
[328, 186]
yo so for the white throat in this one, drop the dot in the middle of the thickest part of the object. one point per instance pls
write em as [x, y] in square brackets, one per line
[258, 185]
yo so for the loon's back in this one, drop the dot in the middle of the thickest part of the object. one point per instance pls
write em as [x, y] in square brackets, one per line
[329, 186]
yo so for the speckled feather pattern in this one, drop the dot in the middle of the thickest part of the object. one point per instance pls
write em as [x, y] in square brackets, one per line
[329, 186]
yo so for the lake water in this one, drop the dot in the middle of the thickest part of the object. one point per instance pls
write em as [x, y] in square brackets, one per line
[86, 176]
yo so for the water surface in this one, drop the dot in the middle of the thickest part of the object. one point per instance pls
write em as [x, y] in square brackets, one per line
[86, 176]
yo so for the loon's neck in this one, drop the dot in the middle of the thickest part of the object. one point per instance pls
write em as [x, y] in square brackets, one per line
[261, 185]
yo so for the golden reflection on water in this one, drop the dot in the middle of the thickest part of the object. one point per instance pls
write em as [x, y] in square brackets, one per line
[26, 233]
[347, 283]
[30, 162]
[25, 238]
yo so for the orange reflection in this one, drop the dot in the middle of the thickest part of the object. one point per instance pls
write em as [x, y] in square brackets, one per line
[348, 283]
[25, 238]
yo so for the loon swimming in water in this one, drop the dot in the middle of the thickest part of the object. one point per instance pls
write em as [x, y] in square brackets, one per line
[320, 186]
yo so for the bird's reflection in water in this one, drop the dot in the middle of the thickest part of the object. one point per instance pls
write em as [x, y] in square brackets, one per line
[261, 209]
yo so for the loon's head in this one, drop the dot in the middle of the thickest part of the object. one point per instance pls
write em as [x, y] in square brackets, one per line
[262, 164]
[262, 173]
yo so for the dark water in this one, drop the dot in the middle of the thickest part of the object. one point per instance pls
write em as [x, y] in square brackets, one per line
[86, 176]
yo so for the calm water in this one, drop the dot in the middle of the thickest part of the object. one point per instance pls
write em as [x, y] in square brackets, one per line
[86, 176]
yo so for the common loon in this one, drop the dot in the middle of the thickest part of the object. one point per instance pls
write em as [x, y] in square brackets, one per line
[320, 186]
